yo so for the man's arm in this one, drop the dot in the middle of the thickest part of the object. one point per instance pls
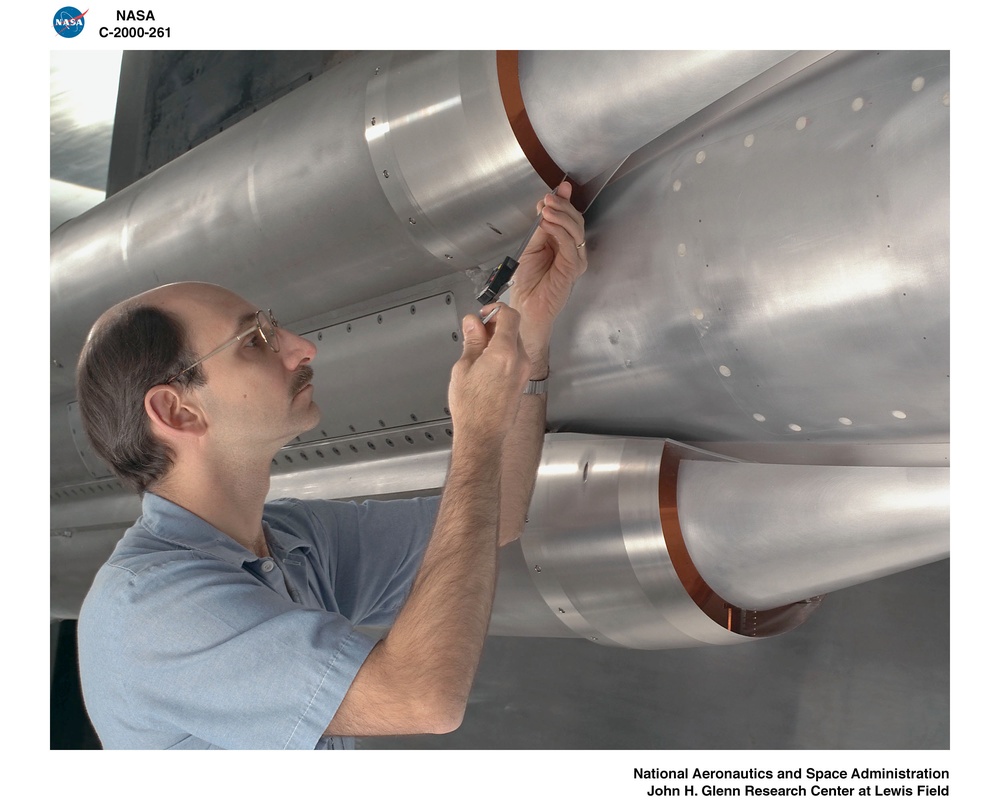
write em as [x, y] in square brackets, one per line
[417, 680]
[549, 267]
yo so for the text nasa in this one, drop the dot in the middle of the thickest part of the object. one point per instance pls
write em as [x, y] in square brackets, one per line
[134, 16]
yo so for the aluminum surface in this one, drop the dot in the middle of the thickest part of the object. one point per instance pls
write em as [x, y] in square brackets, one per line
[763, 535]
[397, 346]
[595, 553]
[783, 278]
[445, 156]
[620, 100]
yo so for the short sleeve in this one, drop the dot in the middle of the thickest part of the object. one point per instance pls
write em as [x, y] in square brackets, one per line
[369, 552]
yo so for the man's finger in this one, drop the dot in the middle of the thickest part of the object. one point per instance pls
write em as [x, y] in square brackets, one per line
[475, 338]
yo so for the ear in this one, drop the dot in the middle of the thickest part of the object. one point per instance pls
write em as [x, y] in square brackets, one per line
[171, 415]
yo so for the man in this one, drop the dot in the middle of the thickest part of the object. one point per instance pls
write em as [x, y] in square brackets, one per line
[222, 622]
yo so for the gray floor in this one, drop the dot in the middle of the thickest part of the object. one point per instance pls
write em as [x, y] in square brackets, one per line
[869, 670]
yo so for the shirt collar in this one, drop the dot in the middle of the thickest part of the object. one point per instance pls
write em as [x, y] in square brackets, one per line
[177, 525]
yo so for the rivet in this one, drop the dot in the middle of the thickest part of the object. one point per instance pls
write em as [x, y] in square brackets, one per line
[385, 173]
[373, 120]
[537, 568]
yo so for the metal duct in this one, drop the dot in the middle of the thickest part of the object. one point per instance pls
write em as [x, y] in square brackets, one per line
[604, 558]
[766, 534]
[592, 109]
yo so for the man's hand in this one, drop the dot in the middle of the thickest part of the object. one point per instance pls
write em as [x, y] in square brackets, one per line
[486, 382]
[549, 266]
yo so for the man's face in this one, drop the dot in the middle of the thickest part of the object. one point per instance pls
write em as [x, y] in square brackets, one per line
[253, 398]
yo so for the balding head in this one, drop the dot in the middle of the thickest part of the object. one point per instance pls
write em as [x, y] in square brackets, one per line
[133, 346]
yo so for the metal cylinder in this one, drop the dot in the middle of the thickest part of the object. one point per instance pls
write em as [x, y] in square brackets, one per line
[324, 198]
[762, 535]
[603, 555]
[591, 109]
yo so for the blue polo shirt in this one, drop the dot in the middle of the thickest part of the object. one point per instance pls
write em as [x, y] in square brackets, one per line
[189, 640]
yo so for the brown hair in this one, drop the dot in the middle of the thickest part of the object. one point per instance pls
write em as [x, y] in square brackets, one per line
[133, 349]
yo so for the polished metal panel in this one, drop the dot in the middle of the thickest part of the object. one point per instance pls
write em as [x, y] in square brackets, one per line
[619, 100]
[412, 345]
[595, 552]
[787, 272]
[763, 535]
[444, 154]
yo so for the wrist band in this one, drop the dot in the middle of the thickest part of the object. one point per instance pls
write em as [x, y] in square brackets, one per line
[537, 387]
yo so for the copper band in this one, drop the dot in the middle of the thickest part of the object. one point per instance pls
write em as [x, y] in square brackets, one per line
[745, 622]
[517, 116]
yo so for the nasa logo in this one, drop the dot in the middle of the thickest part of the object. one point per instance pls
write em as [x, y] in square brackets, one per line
[68, 21]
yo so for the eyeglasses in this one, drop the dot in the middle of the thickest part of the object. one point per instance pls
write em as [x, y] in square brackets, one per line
[265, 326]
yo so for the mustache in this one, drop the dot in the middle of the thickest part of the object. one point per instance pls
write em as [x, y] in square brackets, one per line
[303, 375]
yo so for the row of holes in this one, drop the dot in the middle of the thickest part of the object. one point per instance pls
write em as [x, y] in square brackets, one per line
[77, 491]
[413, 310]
[354, 449]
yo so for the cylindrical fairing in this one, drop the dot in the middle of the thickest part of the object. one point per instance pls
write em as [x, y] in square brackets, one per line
[603, 555]
[592, 109]
[762, 535]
